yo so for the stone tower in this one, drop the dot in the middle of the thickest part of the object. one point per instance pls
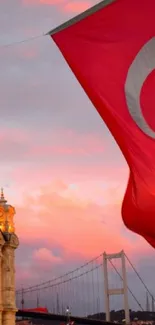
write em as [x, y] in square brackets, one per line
[8, 243]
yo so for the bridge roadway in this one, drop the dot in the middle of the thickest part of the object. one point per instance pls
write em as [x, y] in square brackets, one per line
[55, 319]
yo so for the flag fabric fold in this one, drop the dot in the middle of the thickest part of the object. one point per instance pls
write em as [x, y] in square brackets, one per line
[111, 50]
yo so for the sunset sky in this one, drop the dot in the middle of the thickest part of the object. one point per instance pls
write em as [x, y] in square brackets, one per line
[60, 166]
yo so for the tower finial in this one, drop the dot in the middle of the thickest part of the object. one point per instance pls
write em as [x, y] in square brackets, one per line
[2, 193]
[2, 198]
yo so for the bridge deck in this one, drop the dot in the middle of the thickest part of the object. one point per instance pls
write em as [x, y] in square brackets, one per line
[59, 318]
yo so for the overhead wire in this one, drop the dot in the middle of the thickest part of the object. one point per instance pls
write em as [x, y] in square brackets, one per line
[26, 40]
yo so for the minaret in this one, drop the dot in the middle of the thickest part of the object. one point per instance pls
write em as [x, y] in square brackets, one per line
[7, 259]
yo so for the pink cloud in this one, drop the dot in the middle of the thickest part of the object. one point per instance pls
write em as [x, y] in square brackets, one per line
[44, 255]
[99, 183]
[75, 205]
[72, 143]
[62, 142]
[75, 160]
[15, 133]
[44, 2]
[51, 2]
[66, 150]
[77, 6]
[65, 5]
[80, 227]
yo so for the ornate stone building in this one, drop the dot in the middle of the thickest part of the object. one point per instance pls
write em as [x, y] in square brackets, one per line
[8, 243]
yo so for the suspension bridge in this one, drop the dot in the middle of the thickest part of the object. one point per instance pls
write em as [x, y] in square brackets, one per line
[92, 291]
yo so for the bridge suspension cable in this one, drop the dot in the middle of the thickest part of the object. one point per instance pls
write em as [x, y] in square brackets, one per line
[57, 278]
[140, 278]
[49, 285]
[127, 286]
[82, 289]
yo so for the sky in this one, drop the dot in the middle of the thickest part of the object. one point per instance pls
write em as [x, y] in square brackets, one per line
[60, 166]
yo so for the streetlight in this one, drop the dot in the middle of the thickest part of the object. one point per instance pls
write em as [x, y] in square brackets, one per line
[68, 314]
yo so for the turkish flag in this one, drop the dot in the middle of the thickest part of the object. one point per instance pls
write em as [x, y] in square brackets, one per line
[111, 50]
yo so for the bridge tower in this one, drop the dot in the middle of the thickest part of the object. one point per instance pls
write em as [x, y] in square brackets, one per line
[8, 243]
[119, 291]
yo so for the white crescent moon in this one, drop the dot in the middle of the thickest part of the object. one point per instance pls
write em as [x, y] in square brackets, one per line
[141, 67]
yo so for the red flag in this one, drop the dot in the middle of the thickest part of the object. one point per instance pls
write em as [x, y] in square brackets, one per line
[111, 50]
